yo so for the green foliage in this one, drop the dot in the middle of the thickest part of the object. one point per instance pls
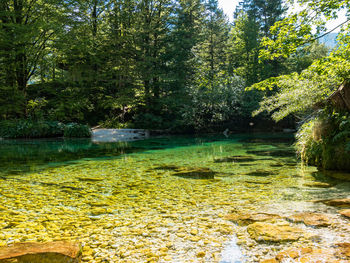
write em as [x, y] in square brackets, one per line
[42, 129]
[31, 129]
[324, 141]
[115, 123]
[157, 64]
[214, 106]
[75, 130]
[308, 148]
[298, 93]
[35, 108]
[27, 32]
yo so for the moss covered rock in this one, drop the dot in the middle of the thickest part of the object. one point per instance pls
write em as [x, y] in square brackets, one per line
[325, 141]
[59, 252]
[261, 231]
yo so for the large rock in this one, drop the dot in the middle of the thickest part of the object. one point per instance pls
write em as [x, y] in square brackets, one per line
[248, 218]
[337, 202]
[293, 253]
[311, 219]
[344, 173]
[312, 254]
[235, 159]
[195, 173]
[307, 255]
[261, 231]
[343, 249]
[188, 172]
[318, 185]
[345, 212]
[32, 252]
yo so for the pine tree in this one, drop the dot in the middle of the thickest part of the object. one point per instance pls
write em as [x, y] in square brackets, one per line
[253, 19]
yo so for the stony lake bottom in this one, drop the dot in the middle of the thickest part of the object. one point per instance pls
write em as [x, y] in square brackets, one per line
[170, 199]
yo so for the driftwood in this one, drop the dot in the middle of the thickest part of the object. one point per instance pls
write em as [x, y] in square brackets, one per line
[340, 99]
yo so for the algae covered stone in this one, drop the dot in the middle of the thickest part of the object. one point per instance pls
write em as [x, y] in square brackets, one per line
[248, 218]
[305, 255]
[345, 212]
[235, 159]
[311, 219]
[261, 231]
[195, 173]
[318, 185]
[58, 252]
[345, 202]
[343, 249]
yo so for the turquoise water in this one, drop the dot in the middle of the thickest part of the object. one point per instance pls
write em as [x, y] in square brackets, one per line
[162, 199]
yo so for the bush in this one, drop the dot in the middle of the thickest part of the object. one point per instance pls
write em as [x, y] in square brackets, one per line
[114, 123]
[325, 141]
[74, 130]
[41, 129]
[30, 129]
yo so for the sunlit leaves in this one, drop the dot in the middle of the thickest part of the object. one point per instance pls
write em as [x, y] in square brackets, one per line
[298, 93]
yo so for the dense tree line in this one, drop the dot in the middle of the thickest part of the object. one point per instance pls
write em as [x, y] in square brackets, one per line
[161, 64]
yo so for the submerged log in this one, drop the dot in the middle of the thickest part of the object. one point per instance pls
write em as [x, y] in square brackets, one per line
[58, 252]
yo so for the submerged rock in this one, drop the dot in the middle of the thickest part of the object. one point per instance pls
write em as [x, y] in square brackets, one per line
[188, 172]
[249, 218]
[342, 175]
[274, 153]
[261, 232]
[317, 255]
[235, 159]
[343, 249]
[167, 168]
[345, 212]
[90, 179]
[311, 219]
[269, 140]
[318, 184]
[312, 254]
[257, 182]
[345, 202]
[293, 253]
[261, 173]
[98, 211]
[196, 173]
[58, 252]
[270, 260]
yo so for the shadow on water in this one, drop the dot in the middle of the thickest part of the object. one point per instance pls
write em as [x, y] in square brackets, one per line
[22, 156]
[274, 153]
[235, 159]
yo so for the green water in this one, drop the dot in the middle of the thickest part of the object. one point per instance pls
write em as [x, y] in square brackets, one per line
[159, 200]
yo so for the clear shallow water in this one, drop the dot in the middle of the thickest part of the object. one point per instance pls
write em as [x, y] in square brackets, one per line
[144, 201]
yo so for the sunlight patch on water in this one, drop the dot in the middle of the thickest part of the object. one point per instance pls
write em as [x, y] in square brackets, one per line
[232, 253]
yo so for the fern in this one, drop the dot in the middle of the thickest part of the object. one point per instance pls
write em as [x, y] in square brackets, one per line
[341, 136]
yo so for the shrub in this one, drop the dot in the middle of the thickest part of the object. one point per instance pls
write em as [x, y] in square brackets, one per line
[41, 129]
[30, 129]
[325, 141]
[74, 130]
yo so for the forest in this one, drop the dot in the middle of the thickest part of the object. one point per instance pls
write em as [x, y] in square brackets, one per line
[174, 65]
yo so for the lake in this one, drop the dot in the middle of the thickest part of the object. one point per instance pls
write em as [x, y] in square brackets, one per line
[168, 199]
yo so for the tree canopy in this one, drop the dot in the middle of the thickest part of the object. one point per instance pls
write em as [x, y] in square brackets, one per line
[164, 64]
